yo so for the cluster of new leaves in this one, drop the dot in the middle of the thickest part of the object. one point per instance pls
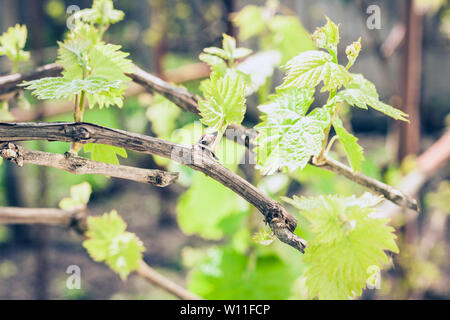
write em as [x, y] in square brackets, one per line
[102, 13]
[94, 71]
[97, 69]
[218, 58]
[348, 244]
[254, 70]
[109, 242]
[290, 137]
[107, 239]
[224, 92]
[12, 43]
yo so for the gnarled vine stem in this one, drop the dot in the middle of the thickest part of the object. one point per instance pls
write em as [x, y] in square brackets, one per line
[279, 220]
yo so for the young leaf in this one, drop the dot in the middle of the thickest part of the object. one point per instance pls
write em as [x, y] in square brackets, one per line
[327, 37]
[228, 45]
[79, 196]
[101, 13]
[224, 101]
[81, 58]
[310, 68]
[12, 43]
[104, 153]
[72, 55]
[55, 88]
[362, 93]
[352, 51]
[348, 242]
[108, 61]
[217, 52]
[229, 51]
[353, 150]
[109, 242]
[288, 138]
[63, 88]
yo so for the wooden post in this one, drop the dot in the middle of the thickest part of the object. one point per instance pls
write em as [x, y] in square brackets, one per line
[409, 133]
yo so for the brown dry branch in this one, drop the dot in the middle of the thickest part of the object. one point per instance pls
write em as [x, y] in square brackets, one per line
[76, 219]
[240, 134]
[279, 220]
[47, 216]
[78, 165]
[376, 186]
[151, 275]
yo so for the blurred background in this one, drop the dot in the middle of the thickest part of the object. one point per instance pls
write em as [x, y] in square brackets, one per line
[408, 59]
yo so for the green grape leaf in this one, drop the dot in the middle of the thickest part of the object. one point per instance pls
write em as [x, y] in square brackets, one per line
[108, 61]
[310, 68]
[250, 21]
[224, 101]
[259, 67]
[362, 93]
[104, 153]
[348, 243]
[81, 57]
[228, 45]
[327, 37]
[79, 197]
[101, 13]
[288, 139]
[240, 53]
[288, 36]
[12, 42]
[229, 274]
[353, 150]
[109, 242]
[63, 88]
